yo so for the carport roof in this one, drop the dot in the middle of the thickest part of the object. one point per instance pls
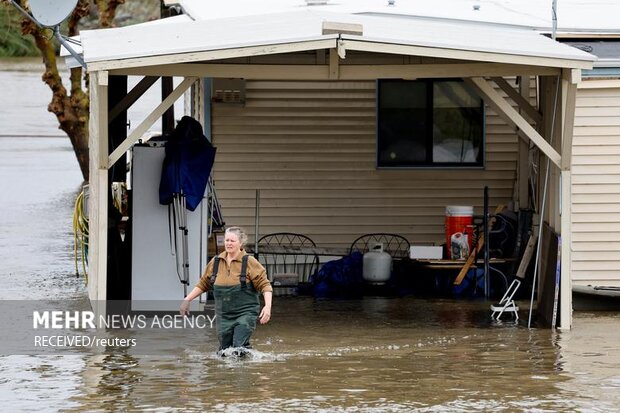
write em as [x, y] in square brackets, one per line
[183, 41]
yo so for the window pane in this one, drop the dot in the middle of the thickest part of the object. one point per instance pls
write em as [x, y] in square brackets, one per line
[402, 123]
[429, 123]
[457, 125]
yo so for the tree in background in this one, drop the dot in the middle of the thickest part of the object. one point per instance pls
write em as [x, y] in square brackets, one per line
[71, 107]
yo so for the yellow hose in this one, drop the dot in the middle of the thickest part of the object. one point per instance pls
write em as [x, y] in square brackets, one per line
[80, 235]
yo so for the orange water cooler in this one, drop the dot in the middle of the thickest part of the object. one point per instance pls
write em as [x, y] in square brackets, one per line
[459, 231]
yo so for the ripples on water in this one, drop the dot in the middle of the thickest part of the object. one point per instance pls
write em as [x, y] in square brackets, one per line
[371, 355]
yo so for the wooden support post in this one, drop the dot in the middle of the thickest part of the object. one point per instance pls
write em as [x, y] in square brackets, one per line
[99, 189]
[167, 119]
[566, 284]
[523, 166]
[570, 80]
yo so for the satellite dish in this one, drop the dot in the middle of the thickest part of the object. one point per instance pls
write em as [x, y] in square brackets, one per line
[51, 13]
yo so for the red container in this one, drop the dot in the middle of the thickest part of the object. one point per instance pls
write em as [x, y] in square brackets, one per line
[459, 231]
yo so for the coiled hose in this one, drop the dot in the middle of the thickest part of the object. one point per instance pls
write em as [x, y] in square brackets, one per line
[80, 235]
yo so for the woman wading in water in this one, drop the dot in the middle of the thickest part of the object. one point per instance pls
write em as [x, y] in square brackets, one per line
[236, 279]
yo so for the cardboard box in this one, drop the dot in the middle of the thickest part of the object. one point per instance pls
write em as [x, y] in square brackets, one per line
[425, 252]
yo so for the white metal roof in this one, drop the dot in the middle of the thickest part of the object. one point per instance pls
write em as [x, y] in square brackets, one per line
[572, 15]
[186, 39]
[77, 46]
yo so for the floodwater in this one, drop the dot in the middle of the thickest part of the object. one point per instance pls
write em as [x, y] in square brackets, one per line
[371, 355]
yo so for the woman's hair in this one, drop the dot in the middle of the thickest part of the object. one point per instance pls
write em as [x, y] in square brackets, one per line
[240, 233]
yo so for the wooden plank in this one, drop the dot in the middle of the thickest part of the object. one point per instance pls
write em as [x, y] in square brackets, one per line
[470, 261]
[547, 274]
[566, 264]
[150, 119]
[411, 50]
[557, 306]
[253, 71]
[133, 95]
[98, 192]
[527, 256]
[521, 101]
[342, 28]
[472, 256]
[440, 70]
[511, 116]
[212, 55]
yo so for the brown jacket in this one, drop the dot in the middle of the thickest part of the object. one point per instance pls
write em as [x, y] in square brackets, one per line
[227, 276]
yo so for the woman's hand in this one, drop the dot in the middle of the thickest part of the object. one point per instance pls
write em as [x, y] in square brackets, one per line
[265, 315]
[184, 309]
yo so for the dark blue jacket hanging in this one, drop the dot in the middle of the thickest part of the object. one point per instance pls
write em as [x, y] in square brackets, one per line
[187, 165]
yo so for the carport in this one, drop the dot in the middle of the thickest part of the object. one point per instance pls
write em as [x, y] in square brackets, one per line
[311, 46]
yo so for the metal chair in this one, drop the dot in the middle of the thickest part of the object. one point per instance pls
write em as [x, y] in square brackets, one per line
[286, 264]
[507, 303]
[395, 245]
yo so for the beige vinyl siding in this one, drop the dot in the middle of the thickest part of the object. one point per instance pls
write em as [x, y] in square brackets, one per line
[596, 185]
[310, 147]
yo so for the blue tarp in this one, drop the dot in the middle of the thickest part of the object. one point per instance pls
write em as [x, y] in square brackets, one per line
[187, 165]
[340, 278]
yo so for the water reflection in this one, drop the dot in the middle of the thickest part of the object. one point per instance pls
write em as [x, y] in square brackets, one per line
[330, 356]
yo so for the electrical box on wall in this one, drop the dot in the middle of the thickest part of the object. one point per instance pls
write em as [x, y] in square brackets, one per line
[228, 90]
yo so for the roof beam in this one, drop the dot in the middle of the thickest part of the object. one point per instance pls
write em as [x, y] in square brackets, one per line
[150, 119]
[512, 117]
[346, 71]
[189, 57]
[523, 103]
[445, 53]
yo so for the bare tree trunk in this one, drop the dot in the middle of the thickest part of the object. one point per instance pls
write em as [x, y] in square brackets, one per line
[107, 11]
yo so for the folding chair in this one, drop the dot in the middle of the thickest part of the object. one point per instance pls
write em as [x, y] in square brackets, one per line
[507, 303]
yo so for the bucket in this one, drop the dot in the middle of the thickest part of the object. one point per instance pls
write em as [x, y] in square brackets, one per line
[459, 232]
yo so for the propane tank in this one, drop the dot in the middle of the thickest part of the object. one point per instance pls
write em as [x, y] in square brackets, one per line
[377, 265]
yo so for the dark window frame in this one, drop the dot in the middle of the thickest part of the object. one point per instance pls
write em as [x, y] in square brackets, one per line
[428, 163]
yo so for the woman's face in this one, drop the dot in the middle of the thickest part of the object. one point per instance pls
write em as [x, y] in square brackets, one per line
[232, 243]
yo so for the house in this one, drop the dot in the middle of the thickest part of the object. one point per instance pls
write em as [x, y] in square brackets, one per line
[309, 104]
